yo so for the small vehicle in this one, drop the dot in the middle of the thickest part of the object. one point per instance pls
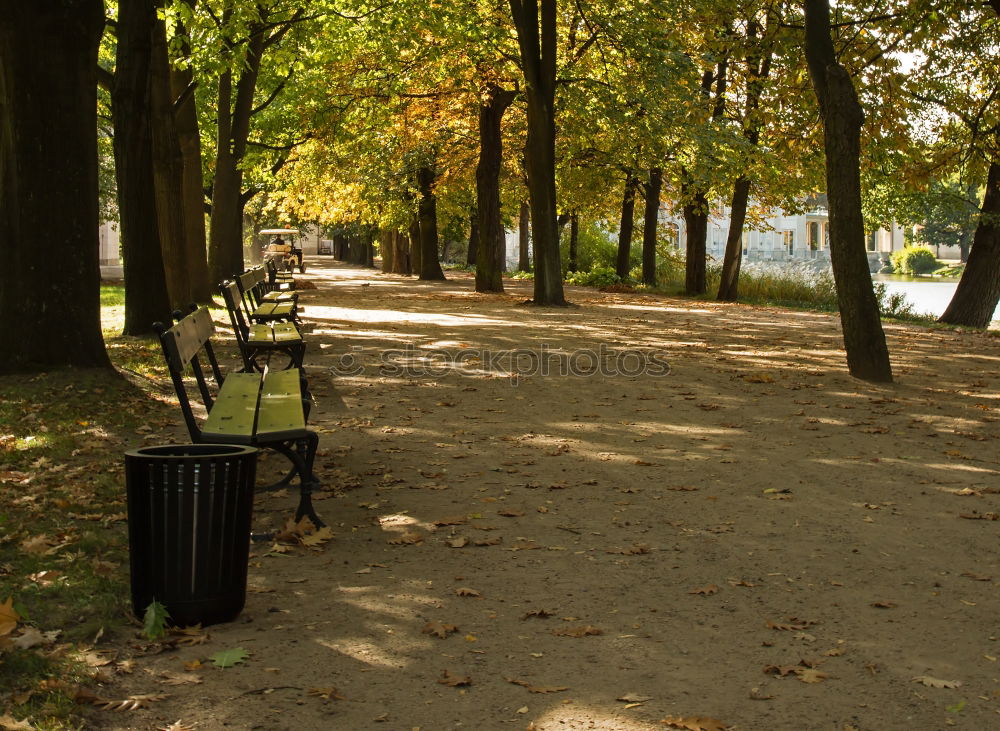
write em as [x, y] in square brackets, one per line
[283, 249]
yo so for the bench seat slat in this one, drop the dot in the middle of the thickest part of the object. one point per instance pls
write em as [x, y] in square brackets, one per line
[286, 332]
[280, 414]
[276, 296]
[232, 416]
[280, 309]
[260, 334]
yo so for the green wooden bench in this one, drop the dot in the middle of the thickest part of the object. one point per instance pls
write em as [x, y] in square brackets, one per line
[267, 410]
[259, 342]
[257, 308]
[278, 280]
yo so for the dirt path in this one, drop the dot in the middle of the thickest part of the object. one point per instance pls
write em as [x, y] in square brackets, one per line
[754, 537]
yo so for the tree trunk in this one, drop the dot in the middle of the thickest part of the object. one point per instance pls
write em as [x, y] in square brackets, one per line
[168, 170]
[524, 238]
[696, 225]
[146, 297]
[387, 249]
[574, 236]
[430, 266]
[193, 184]
[733, 259]
[489, 277]
[402, 255]
[626, 226]
[652, 215]
[864, 340]
[470, 259]
[416, 250]
[225, 244]
[50, 291]
[975, 299]
[536, 38]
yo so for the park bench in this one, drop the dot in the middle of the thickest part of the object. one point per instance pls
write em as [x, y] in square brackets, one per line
[258, 308]
[278, 280]
[260, 409]
[260, 341]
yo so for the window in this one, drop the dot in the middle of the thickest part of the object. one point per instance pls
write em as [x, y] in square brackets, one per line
[814, 236]
[788, 238]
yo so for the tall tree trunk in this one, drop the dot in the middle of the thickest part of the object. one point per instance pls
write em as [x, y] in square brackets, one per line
[430, 266]
[470, 259]
[652, 215]
[626, 226]
[975, 299]
[524, 238]
[535, 22]
[225, 243]
[193, 184]
[489, 277]
[864, 340]
[574, 237]
[168, 170]
[146, 297]
[696, 224]
[388, 250]
[416, 249]
[50, 295]
[402, 255]
[758, 69]
[733, 258]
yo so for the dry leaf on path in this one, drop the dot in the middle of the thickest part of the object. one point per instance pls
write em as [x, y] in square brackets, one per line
[811, 675]
[538, 614]
[439, 629]
[171, 678]
[508, 513]
[706, 590]
[9, 723]
[634, 698]
[323, 535]
[460, 542]
[132, 703]
[580, 631]
[177, 726]
[465, 591]
[452, 520]
[781, 670]
[406, 539]
[695, 723]
[537, 688]
[453, 681]
[936, 682]
[636, 550]
[884, 605]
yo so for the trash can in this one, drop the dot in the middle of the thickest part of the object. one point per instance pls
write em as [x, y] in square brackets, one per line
[189, 513]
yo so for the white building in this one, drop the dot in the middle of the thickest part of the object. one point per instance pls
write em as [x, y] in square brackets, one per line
[787, 237]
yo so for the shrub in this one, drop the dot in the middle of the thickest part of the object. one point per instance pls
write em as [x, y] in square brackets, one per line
[599, 276]
[518, 274]
[914, 260]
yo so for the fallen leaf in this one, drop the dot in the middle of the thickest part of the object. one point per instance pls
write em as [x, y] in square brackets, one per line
[756, 695]
[460, 542]
[323, 535]
[132, 703]
[781, 670]
[936, 682]
[9, 723]
[453, 520]
[537, 613]
[172, 678]
[966, 574]
[406, 539]
[975, 515]
[636, 550]
[8, 617]
[884, 605]
[537, 688]
[464, 591]
[695, 723]
[579, 631]
[439, 629]
[508, 513]
[706, 590]
[453, 681]
[634, 698]
[811, 675]
[228, 658]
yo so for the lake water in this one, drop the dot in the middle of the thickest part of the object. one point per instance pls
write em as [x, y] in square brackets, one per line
[926, 296]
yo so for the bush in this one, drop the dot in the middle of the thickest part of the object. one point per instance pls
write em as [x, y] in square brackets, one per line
[914, 260]
[599, 276]
[518, 274]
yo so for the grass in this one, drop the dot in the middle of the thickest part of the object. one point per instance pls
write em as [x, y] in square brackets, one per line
[63, 538]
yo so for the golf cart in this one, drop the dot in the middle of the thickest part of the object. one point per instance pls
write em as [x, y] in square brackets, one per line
[283, 249]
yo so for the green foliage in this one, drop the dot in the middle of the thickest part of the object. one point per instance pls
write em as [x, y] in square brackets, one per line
[154, 624]
[895, 304]
[521, 275]
[914, 260]
[229, 658]
[599, 276]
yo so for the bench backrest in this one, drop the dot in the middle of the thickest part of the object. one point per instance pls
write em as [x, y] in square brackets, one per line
[182, 344]
[234, 303]
[250, 284]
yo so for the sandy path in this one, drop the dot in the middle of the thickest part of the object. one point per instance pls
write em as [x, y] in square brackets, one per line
[676, 515]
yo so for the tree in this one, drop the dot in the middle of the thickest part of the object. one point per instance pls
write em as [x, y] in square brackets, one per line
[864, 340]
[491, 236]
[48, 184]
[535, 23]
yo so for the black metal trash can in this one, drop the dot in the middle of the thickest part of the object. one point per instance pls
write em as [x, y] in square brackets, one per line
[189, 513]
